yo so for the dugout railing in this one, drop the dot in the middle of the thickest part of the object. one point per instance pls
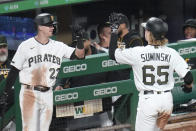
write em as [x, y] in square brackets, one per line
[102, 63]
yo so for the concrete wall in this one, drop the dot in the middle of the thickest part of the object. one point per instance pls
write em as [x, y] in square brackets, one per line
[64, 18]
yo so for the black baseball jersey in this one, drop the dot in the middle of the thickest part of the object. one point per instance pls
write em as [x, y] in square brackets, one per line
[4, 70]
[131, 39]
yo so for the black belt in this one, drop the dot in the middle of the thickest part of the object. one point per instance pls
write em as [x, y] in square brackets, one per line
[38, 88]
[155, 92]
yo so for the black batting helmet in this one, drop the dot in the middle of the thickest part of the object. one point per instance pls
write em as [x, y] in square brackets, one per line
[157, 26]
[190, 23]
[45, 19]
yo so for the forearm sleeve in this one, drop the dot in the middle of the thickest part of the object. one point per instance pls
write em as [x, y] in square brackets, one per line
[113, 46]
[74, 56]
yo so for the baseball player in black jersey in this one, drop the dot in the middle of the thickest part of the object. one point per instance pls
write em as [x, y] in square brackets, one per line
[123, 37]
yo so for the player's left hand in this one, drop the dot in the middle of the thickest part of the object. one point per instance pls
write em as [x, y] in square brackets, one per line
[97, 46]
[187, 88]
[58, 88]
[78, 30]
[79, 33]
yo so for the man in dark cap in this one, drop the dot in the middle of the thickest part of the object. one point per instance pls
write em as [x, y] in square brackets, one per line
[189, 29]
[4, 70]
[102, 114]
[123, 37]
[4, 63]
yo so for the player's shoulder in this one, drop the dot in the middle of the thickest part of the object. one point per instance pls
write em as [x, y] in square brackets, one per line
[137, 49]
[27, 42]
[171, 50]
[57, 43]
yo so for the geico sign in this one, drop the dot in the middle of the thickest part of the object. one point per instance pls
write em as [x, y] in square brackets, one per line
[108, 63]
[69, 96]
[188, 50]
[75, 68]
[105, 91]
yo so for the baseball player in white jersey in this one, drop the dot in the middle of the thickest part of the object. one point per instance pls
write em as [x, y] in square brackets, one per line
[153, 68]
[38, 60]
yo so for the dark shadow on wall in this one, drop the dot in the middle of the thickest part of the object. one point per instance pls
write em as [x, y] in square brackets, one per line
[175, 12]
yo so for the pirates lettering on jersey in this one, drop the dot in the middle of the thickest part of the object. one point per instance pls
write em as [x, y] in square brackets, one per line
[44, 58]
[155, 57]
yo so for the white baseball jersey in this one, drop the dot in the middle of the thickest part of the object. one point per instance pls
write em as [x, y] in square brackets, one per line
[153, 67]
[39, 63]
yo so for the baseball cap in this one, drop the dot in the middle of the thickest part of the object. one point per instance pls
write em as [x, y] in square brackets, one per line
[123, 18]
[45, 19]
[3, 40]
[190, 23]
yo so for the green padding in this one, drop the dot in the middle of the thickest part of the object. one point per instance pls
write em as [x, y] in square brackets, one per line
[122, 108]
[92, 64]
[185, 49]
[179, 97]
[72, 95]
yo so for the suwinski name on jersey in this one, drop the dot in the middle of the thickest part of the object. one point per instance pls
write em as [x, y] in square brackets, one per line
[155, 57]
[44, 58]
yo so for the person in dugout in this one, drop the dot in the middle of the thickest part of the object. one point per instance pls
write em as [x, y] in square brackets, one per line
[189, 30]
[124, 37]
[4, 70]
[100, 118]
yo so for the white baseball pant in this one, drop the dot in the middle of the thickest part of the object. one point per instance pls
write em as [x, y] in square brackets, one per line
[153, 111]
[36, 109]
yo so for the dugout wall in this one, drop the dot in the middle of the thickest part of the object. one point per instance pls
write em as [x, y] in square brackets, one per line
[125, 112]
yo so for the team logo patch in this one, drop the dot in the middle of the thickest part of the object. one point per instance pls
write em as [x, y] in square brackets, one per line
[121, 45]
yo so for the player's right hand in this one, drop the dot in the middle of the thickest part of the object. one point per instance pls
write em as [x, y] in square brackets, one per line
[114, 21]
[58, 88]
[78, 30]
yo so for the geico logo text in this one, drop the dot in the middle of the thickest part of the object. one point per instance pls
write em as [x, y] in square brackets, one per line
[68, 96]
[108, 63]
[75, 68]
[105, 91]
[189, 50]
